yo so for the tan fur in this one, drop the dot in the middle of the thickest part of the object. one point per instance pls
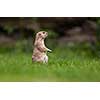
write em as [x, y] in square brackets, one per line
[40, 50]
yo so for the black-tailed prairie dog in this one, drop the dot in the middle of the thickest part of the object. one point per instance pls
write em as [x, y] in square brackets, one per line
[40, 50]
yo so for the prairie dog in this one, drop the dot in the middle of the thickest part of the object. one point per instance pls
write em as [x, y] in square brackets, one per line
[40, 50]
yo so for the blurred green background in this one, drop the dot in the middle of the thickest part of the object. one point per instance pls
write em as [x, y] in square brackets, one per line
[77, 32]
[75, 42]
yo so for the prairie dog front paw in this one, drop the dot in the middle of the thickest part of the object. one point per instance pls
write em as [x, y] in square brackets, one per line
[49, 50]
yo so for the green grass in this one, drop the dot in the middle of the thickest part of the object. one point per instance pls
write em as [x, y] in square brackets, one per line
[64, 65]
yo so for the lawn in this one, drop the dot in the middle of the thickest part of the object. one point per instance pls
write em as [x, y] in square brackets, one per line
[65, 65]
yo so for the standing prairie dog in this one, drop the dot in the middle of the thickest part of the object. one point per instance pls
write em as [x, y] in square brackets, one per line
[40, 50]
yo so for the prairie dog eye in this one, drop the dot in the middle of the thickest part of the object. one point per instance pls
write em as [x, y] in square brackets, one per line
[43, 32]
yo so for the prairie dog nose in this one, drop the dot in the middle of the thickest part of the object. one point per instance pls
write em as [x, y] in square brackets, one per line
[47, 33]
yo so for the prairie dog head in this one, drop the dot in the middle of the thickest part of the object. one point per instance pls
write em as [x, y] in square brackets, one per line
[41, 35]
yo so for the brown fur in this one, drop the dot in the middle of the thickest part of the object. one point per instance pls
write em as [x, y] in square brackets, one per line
[40, 50]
